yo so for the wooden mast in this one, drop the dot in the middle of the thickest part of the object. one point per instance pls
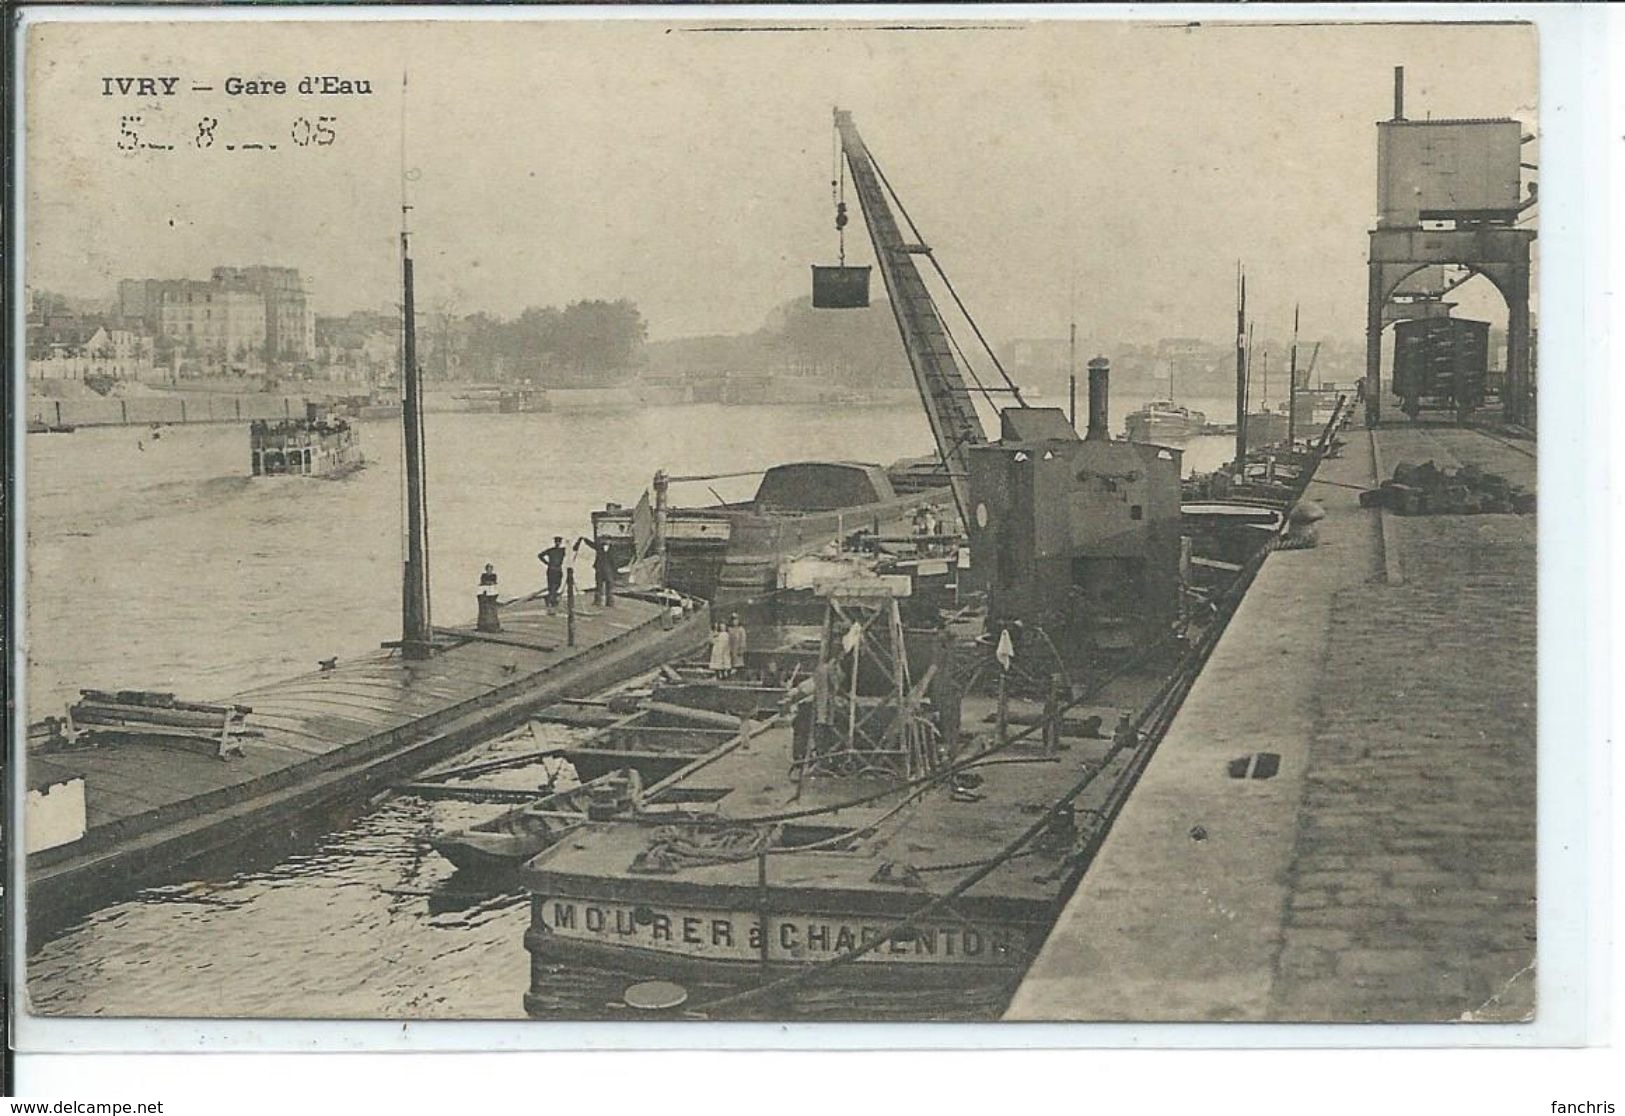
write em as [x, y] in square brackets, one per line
[1292, 388]
[1241, 367]
[417, 631]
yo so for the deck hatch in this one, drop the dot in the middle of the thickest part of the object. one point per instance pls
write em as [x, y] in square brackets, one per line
[1260, 765]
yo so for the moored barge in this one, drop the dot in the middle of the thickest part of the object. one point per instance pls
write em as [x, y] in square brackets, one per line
[147, 786]
[732, 553]
[154, 804]
[932, 794]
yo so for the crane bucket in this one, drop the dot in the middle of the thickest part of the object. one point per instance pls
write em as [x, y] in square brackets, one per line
[840, 288]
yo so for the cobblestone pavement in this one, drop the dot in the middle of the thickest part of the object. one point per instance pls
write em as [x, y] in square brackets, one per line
[1411, 892]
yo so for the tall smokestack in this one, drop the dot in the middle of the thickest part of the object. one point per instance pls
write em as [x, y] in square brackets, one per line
[1099, 396]
[1399, 92]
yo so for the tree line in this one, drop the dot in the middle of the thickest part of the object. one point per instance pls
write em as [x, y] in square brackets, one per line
[586, 343]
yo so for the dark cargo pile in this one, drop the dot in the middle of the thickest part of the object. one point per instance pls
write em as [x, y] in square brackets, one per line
[1427, 489]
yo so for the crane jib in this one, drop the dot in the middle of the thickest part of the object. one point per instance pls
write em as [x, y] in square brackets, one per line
[955, 425]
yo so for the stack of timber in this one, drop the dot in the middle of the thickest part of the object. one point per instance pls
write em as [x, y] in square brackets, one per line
[100, 718]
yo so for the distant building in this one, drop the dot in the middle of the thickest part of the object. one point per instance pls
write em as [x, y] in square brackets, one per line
[1184, 348]
[1042, 355]
[360, 347]
[222, 324]
[74, 347]
[216, 323]
[290, 327]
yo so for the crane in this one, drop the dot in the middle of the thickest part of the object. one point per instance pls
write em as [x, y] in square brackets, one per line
[949, 407]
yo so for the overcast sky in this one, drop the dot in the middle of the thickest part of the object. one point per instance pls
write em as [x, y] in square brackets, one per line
[689, 169]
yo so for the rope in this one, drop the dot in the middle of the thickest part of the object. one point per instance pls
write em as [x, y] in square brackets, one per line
[675, 848]
[992, 865]
[924, 782]
[1159, 713]
[969, 370]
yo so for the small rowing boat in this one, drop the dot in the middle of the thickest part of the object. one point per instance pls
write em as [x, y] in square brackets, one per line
[509, 839]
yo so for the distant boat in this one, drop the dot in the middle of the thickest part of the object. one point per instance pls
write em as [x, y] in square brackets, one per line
[316, 445]
[1162, 421]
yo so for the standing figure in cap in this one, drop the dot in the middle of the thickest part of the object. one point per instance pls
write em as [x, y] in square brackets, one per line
[553, 558]
[736, 644]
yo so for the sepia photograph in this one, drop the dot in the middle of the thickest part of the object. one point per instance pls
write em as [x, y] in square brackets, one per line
[693, 518]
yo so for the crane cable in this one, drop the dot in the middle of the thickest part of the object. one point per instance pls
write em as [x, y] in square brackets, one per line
[913, 228]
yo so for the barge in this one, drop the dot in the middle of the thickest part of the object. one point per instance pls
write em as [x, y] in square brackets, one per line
[928, 800]
[154, 804]
[734, 553]
[901, 764]
[934, 791]
[145, 787]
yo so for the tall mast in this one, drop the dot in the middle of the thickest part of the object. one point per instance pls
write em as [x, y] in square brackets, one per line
[417, 631]
[1292, 386]
[417, 626]
[1241, 366]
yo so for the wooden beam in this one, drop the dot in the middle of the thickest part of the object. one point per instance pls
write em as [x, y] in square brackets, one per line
[698, 716]
[496, 637]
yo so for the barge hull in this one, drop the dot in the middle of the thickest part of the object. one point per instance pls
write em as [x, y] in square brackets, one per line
[887, 969]
[122, 853]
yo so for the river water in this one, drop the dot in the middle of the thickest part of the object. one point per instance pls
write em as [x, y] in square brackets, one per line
[157, 563]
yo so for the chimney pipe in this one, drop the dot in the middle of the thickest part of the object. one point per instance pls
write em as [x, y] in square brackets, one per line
[1099, 393]
[1399, 92]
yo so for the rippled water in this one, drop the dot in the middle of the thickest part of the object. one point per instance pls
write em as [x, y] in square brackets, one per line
[160, 564]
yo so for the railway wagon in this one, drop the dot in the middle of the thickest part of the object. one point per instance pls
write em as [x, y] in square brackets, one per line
[1441, 364]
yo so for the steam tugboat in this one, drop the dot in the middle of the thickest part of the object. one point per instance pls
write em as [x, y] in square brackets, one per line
[1162, 421]
[318, 445]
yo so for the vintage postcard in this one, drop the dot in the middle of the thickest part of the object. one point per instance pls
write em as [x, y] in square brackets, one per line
[692, 517]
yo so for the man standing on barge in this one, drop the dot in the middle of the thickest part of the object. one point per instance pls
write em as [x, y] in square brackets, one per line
[603, 572]
[553, 559]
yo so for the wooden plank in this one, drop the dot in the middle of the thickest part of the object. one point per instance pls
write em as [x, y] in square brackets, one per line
[503, 638]
[469, 794]
[698, 716]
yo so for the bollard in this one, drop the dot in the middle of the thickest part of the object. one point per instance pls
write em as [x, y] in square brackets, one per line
[490, 619]
[569, 608]
[1004, 704]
